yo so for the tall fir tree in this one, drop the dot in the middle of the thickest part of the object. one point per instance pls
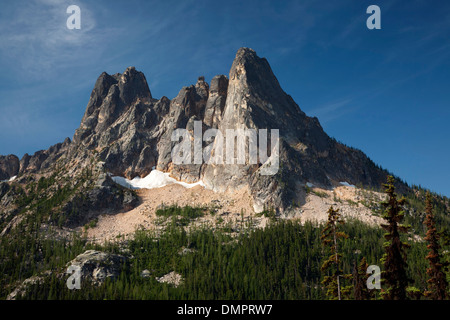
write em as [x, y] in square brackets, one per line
[330, 239]
[394, 274]
[437, 282]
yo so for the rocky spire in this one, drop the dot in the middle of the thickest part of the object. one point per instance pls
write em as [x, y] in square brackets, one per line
[256, 99]
[216, 101]
[133, 85]
[112, 96]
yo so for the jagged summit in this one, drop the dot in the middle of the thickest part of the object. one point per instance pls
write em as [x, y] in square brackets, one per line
[257, 74]
[110, 98]
[130, 133]
[247, 54]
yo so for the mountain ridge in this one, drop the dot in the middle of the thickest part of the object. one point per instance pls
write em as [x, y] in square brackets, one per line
[128, 133]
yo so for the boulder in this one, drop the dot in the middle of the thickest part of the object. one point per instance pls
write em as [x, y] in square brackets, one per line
[172, 278]
[97, 266]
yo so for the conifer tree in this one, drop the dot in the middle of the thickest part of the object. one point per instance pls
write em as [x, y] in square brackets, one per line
[360, 276]
[394, 274]
[437, 282]
[330, 237]
[358, 283]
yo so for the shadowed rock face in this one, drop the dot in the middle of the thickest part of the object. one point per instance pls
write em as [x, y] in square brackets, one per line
[9, 166]
[216, 101]
[131, 133]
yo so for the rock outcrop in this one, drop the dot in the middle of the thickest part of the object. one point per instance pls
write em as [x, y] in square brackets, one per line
[172, 278]
[96, 266]
[105, 197]
[26, 284]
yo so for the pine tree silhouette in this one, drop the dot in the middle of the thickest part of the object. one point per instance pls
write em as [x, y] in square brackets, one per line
[437, 282]
[394, 274]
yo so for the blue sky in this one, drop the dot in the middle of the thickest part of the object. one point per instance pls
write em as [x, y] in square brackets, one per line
[386, 92]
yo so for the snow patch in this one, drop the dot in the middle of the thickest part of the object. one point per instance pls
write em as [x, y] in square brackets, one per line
[155, 179]
[347, 184]
[309, 185]
[9, 180]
